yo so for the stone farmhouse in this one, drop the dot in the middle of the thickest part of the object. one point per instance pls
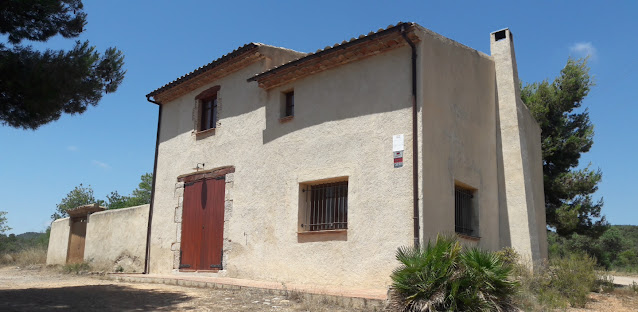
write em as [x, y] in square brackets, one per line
[312, 168]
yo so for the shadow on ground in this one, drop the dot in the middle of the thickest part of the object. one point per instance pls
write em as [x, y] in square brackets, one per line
[90, 298]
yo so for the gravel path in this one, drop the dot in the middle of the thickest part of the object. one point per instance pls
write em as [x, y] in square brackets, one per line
[618, 302]
[41, 289]
[625, 280]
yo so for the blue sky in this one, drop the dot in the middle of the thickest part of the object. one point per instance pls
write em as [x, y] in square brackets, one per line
[110, 146]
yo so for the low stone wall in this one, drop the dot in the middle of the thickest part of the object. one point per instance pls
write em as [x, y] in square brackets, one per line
[58, 241]
[116, 239]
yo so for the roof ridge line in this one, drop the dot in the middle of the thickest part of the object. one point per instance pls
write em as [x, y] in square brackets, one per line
[328, 49]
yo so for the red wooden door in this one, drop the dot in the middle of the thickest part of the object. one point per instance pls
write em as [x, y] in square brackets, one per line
[213, 227]
[203, 225]
[191, 227]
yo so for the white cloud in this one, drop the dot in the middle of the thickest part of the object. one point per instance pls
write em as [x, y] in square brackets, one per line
[583, 49]
[72, 148]
[101, 164]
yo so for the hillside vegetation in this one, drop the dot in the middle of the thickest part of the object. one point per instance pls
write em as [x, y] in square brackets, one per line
[616, 249]
[24, 249]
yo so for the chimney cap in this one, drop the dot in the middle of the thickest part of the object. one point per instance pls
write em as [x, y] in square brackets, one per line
[502, 34]
[502, 29]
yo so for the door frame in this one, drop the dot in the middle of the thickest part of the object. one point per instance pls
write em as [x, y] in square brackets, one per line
[227, 173]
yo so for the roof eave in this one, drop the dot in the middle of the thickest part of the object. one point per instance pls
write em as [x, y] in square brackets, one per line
[194, 75]
[401, 26]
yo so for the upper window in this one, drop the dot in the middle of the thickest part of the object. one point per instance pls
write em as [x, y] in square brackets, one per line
[288, 105]
[208, 109]
[326, 206]
[465, 220]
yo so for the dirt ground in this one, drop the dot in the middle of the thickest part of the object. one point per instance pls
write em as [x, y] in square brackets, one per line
[42, 289]
[618, 302]
[46, 289]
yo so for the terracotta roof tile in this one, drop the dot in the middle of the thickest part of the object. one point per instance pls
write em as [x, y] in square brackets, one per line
[328, 49]
[207, 67]
[253, 45]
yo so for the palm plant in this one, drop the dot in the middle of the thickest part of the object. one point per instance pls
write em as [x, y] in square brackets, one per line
[485, 283]
[443, 276]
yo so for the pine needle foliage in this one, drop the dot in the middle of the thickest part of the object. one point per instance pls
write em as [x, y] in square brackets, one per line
[566, 134]
[444, 276]
[39, 86]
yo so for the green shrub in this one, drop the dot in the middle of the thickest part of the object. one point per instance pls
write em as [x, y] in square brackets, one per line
[444, 276]
[574, 277]
[509, 256]
[604, 283]
[76, 268]
[557, 284]
[616, 249]
[536, 292]
[627, 259]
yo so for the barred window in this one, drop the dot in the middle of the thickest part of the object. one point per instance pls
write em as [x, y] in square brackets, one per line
[464, 214]
[326, 206]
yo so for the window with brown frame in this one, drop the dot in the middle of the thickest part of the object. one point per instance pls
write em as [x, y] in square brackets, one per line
[326, 206]
[208, 109]
[288, 105]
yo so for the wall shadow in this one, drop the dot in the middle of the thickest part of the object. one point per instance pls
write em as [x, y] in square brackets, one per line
[375, 85]
[370, 86]
[90, 298]
[503, 214]
[311, 237]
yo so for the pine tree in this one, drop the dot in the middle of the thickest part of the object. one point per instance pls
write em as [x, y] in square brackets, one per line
[567, 133]
[3, 223]
[140, 196]
[37, 87]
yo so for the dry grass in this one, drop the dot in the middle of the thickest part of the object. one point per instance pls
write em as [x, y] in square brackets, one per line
[630, 291]
[26, 257]
[620, 300]
[623, 273]
[318, 305]
[76, 268]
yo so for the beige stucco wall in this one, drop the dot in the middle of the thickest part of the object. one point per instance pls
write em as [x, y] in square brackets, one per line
[520, 160]
[116, 239]
[58, 241]
[531, 133]
[343, 126]
[459, 144]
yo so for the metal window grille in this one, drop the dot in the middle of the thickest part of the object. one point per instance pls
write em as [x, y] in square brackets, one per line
[327, 206]
[463, 211]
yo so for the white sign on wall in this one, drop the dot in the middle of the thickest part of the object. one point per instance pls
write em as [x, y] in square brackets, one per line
[397, 142]
[397, 150]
